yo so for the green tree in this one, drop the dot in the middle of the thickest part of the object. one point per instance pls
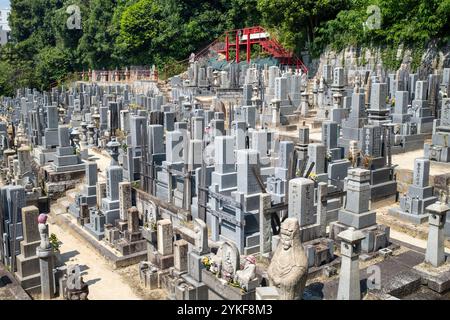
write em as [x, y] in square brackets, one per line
[297, 20]
[140, 26]
[411, 23]
[99, 34]
[52, 65]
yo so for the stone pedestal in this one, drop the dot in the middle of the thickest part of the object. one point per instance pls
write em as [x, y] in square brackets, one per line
[180, 248]
[46, 264]
[195, 266]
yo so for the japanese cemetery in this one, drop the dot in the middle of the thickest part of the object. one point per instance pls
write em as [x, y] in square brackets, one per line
[234, 179]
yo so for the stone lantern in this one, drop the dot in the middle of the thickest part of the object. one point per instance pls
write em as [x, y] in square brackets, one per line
[349, 287]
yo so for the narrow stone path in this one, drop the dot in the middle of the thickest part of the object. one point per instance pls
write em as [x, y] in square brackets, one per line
[104, 282]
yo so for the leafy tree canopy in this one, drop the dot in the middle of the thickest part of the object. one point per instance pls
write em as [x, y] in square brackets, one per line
[117, 33]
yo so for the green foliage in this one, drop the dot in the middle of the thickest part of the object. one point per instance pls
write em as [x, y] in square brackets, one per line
[54, 242]
[416, 57]
[140, 26]
[297, 21]
[100, 30]
[119, 33]
[52, 64]
[411, 23]
[390, 59]
[6, 73]
[135, 184]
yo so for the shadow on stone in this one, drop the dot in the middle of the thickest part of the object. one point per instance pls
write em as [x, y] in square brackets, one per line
[92, 281]
[314, 291]
[65, 257]
[83, 268]
[363, 286]
[4, 281]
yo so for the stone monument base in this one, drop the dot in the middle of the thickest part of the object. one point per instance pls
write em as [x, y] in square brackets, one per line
[408, 143]
[409, 217]
[59, 182]
[436, 153]
[377, 236]
[219, 290]
[438, 279]
[160, 261]
[200, 289]
[319, 251]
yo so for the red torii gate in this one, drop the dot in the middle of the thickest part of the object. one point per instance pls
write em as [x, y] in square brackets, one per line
[257, 35]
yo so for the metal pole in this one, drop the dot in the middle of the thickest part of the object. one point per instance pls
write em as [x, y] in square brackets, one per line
[237, 46]
[227, 48]
[248, 45]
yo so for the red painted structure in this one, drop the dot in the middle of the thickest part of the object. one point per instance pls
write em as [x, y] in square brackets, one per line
[247, 37]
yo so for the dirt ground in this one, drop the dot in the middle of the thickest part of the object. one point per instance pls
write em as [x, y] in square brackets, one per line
[131, 275]
[406, 161]
[104, 282]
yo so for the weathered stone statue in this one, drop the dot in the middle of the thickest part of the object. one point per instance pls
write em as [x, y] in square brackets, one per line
[354, 153]
[43, 231]
[288, 269]
[247, 274]
[229, 260]
[201, 236]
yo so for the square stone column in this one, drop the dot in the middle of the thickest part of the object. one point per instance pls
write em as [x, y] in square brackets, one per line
[349, 287]
[180, 249]
[435, 254]
[165, 236]
[124, 199]
[301, 201]
[27, 261]
[265, 228]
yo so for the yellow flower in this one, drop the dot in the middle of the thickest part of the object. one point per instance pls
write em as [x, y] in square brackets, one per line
[205, 261]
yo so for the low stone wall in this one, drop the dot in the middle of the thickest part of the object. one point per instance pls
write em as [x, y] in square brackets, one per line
[405, 178]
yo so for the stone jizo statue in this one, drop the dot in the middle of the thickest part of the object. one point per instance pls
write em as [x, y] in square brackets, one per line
[230, 260]
[247, 274]
[288, 269]
[43, 232]
[201, 236]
